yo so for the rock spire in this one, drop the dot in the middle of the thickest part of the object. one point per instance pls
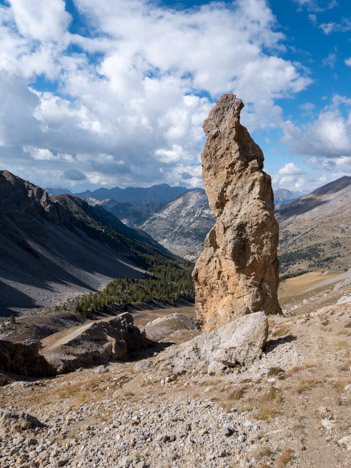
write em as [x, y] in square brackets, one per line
[237, 272]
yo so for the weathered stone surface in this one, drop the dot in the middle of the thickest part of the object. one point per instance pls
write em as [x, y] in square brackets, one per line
[93, 344]
[238, 343]
[162, 327]
[237, 273]
[22, 359]
[11, 422]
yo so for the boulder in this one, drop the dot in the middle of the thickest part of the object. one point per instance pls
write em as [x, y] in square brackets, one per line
[237, 272]
[238, 343]
[162, 327]
[93, 344]
[12, 423]
[22, 359]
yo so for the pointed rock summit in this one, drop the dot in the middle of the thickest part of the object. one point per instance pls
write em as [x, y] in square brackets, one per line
[237, 272]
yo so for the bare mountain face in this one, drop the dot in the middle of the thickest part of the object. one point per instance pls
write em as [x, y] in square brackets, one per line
[315, 230]
[283, 196]
[51, 247]
[129, 214]
[182, 225]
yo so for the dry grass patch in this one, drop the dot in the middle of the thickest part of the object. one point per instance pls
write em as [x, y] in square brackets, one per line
[286, 457]
[237, 394]
[127, 395]
[282, 331]
[341, 384]
[341, 344]
[293, 370]
[266, 413]
[305, 385]
[81, 392]
[345, 366]
[265, 452]
[273, 394]
[276, 372]
[234, 397]
[209, 383]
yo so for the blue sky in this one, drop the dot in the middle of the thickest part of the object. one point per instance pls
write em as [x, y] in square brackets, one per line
[113, 93]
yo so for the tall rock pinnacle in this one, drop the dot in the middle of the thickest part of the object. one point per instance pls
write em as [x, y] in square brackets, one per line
[237, 272]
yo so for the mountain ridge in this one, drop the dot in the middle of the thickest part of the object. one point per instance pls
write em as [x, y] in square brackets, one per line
[136, 195]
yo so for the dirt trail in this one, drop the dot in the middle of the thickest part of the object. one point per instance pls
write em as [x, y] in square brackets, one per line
[61, 338]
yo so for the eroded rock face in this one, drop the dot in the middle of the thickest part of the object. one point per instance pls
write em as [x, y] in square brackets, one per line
[237, 273]
[238, 343]
[12, 423]
[22, 359]
[93, 344]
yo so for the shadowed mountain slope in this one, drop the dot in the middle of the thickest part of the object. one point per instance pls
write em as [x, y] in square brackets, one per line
[53, 247]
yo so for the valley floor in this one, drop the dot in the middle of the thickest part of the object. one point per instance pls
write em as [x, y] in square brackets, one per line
[290, 408]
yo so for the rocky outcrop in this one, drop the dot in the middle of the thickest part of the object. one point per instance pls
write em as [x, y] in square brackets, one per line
[237, 273]
[22, 359]
[12, 423]
[94, 343]
[238, 343]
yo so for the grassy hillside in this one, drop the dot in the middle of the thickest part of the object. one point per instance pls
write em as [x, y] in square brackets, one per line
[315, 231]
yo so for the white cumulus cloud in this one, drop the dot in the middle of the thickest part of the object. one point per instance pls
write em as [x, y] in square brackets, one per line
[329, 135]
[137, 89]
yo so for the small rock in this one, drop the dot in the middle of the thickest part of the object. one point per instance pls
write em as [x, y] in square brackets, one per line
[31, 441]
[62, 461]
[347, 388]
[142, 365]
[344, 300]
[215, 367]
[346, 442]
[228, 430]
[327, 424]
[102, 370]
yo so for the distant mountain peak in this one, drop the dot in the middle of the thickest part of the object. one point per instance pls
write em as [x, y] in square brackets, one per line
[161, 193]
[57, 190]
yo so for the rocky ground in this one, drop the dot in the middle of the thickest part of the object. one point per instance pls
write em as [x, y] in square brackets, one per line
[289, 408]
